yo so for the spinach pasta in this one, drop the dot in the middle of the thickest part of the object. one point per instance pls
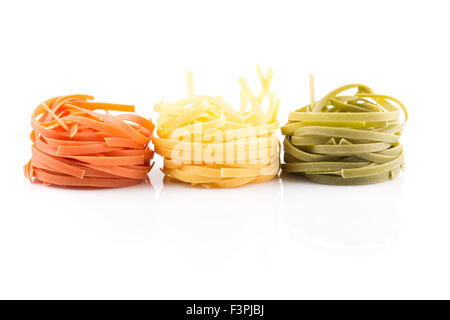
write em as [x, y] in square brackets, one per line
[345, 139]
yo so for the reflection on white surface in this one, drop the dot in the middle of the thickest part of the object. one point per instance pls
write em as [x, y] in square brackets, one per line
[232, 227]
[171, 240]
[342, 219]
[175, 241]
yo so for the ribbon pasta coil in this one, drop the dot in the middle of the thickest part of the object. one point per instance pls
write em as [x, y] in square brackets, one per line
[75, 146]
[346, 139]
[205, 142]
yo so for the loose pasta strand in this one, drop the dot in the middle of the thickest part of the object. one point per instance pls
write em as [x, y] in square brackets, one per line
[311, 91]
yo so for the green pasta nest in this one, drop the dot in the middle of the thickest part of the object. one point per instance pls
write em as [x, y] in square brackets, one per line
[346, 139]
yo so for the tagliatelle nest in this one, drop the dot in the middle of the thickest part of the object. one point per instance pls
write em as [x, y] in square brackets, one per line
[205, 142]
[346, 139]
[74, 146]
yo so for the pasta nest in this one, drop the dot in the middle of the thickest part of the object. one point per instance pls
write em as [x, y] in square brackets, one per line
[205, 142]
[76, 146]
[346, 139]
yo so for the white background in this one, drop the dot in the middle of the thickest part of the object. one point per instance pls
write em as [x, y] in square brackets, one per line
[287, 238]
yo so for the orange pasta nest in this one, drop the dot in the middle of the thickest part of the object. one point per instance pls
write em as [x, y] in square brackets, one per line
[205, 142]
[74, 146]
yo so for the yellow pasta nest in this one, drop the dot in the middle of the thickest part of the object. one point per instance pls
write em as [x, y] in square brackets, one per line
[346, 139]
[205, 142]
